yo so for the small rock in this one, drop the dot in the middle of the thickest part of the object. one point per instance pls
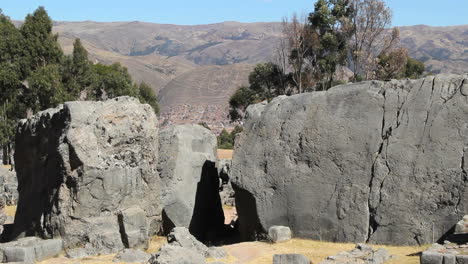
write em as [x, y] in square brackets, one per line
[360, 254]
[279, 234]
[31, 249]
[428, 257]
[290, 259]
[76, 253]
[449, 259]
[380, 256]
[436, 247]
[363, 247]
[180, 236]
[216, 253]
[132, 256]
[170, 254]
[462, 259]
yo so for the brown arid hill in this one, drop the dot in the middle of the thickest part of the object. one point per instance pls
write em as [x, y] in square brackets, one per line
[442, 49]
[195, 69]
[201, 95]
[214, 44]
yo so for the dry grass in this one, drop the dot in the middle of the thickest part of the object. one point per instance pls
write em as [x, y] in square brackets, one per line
[155, 243]
[8, 167]
[316, 251]
[10, 210]
[262, 253]
[104, 259]
[225, 153]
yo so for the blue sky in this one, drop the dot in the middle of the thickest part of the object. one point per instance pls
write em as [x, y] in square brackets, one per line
[189, 12]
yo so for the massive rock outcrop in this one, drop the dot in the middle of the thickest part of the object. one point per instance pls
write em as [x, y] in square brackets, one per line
[87, 172]
[190, 182]
[382, 162]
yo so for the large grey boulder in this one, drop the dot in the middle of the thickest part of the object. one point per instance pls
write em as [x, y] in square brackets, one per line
[87, 171]
[190, 181]
[382, 162]
[30, 250]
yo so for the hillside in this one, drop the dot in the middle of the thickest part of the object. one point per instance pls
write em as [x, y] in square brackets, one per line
[201, 95]
[442, 49]
[192, 66]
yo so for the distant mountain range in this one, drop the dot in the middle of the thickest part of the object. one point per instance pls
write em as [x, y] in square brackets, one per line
[195, 69]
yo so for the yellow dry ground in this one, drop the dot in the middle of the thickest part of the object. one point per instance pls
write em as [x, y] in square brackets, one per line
[8, 167]
[155, 243]
[317, 251]
[262, 253]
[10, 210]
[225, 153]
[228, 207]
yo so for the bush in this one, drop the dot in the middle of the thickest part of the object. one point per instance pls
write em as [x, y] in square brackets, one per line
[226, 140]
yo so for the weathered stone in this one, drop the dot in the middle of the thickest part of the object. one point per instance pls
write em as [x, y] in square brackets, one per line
[290, 259]
[170, 254]
[278, 234]
[181, 237]
[462, 226]
[437, 247]
[226, 191]
[132, 256]
[9, 186]
[462, 259]
[30, 250]
[3, 197]
[216, 253]
[360, 254]
[101, 234]
[360, 162]
[431, 258]
[190, 181]
[224, 169]
[379, 256]
[449, 259]
[133, 228]
[82, 163]
[77, 253]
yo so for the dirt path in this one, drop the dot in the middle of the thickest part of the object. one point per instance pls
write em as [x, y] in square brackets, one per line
[225, 153]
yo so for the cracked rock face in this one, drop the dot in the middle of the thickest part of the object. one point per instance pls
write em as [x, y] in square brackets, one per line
[190, 183]
[82, 165]
[382, 162]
